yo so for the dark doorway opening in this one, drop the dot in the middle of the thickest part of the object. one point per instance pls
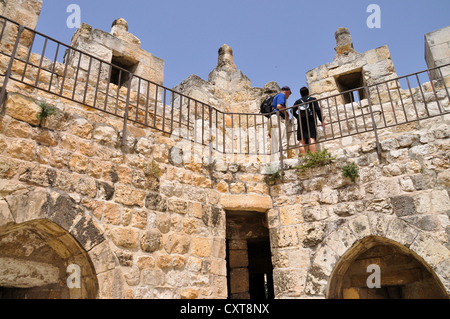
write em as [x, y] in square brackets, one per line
[350, 85]
[249, 259]
[121, 69]
[260, 269]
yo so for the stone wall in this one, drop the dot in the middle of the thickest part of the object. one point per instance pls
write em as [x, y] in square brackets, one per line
[320, 215]
[165, 235]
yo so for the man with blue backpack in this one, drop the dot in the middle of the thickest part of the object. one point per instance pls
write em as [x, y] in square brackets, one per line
[279, 104]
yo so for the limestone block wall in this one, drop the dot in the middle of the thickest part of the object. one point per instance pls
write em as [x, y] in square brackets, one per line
[164, 237]
[148, 236]
[319, 216]
[24, 12]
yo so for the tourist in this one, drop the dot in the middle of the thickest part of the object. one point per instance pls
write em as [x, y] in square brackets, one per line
[306, 120]
[279, 104]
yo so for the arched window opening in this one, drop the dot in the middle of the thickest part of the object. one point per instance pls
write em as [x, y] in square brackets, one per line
[40, 260]
[378, 268]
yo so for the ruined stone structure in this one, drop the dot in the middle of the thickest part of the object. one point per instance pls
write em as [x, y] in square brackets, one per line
[350, 70]
[89, 212]
[119, 47]
[437, 51]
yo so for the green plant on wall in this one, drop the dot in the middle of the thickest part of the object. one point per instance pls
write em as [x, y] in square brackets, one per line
[46, 110]
[153, 169]
[311, 160]
[351, 171]
[273, 173]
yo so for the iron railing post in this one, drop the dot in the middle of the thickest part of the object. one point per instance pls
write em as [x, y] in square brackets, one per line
[280, 141]
[210, 136]
[374, 124]
[127, 106]
[11, 61]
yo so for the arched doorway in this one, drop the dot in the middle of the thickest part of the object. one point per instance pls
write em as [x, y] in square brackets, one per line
[380, 268]
[41, 260]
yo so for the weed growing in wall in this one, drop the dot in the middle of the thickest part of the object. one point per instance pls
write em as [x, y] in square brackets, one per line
[46, 110]
[351, 171]
[316, 159]
[153, 169]
[273, 173]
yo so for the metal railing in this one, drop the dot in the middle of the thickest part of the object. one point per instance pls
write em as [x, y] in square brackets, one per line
[383, 105]
[103, 86]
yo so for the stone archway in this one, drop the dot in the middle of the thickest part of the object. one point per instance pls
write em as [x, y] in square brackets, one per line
[67, 235]
[401, 273]
[41, 260]
[357, 235]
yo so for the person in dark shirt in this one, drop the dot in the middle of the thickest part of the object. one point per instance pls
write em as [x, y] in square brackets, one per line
[306, 120]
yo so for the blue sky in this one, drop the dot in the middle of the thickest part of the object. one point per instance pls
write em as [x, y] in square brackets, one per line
[271, 40]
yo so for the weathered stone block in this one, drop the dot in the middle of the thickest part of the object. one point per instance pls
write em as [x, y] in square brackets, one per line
[146, 262]
[112, 214]
[87, 233]
[154, 277]
[123, 237]
[239, 280]
[63, 210]
[249, 202]
[201, 247]
[440, 201]
[23, 108]
[27, 206]
[106, 135]
[443, 178]
[291, 215]
[129, 196]
[177, 206]
[403, 205]
[312, 234]
[284, 237]
[22, 149]
[151, 241]
[431, 251]
[156, 202]
[176, 243]
[341, 240]
[401, 232]
[315, 213]
[380, 205]
[290, 282]
[360, 227]
[238, 258]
